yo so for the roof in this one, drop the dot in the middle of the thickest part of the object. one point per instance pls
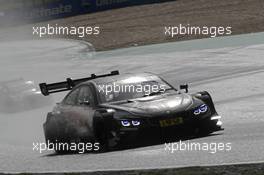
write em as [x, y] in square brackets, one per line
[121, 77]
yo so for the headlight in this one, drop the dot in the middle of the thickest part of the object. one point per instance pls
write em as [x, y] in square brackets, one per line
[135, 122]
[125, 123]
[196, 112]
[201, 109]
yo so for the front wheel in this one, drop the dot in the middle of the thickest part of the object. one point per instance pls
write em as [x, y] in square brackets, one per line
[102, 139]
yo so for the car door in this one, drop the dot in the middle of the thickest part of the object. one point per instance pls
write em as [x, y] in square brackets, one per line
[85, 109]
[59, 123]
[66, 116]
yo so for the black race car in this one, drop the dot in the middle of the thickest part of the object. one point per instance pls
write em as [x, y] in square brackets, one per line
[111, 110]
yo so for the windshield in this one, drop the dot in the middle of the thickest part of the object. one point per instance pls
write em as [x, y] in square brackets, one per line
[131, 88]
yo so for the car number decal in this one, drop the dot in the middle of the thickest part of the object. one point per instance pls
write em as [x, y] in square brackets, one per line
[171, 122]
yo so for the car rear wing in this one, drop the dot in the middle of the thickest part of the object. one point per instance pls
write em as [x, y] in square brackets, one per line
[67, 85]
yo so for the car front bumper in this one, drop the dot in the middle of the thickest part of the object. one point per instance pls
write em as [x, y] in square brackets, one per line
[153, 130]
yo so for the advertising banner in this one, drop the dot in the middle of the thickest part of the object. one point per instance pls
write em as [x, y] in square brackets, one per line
[39, 10]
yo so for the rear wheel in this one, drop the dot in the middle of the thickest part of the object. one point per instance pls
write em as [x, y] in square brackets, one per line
[65, 147]
[58, 151]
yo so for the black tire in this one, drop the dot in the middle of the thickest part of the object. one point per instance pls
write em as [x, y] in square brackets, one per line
[68, 151]
[102, 138]
[61, 151]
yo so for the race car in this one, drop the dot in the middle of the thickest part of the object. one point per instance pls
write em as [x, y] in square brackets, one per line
[113, 110]
[20, 95]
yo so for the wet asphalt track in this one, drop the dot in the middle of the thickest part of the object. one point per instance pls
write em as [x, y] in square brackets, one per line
[231, 69]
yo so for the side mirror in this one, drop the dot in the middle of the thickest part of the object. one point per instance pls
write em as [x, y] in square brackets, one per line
[85, 103]
[185, 87]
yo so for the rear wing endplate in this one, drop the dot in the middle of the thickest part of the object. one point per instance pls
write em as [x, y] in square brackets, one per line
[67, 85]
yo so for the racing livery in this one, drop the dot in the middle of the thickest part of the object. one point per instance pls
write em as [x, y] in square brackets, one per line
[98, 109]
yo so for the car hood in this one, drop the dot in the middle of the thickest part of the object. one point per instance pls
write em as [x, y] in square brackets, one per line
[154, 105]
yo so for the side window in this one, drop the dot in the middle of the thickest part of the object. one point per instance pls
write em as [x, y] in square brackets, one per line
[71, 99]
[85, 96]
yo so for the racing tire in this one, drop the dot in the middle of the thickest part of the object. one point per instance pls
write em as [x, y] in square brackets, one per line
[102, 138]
